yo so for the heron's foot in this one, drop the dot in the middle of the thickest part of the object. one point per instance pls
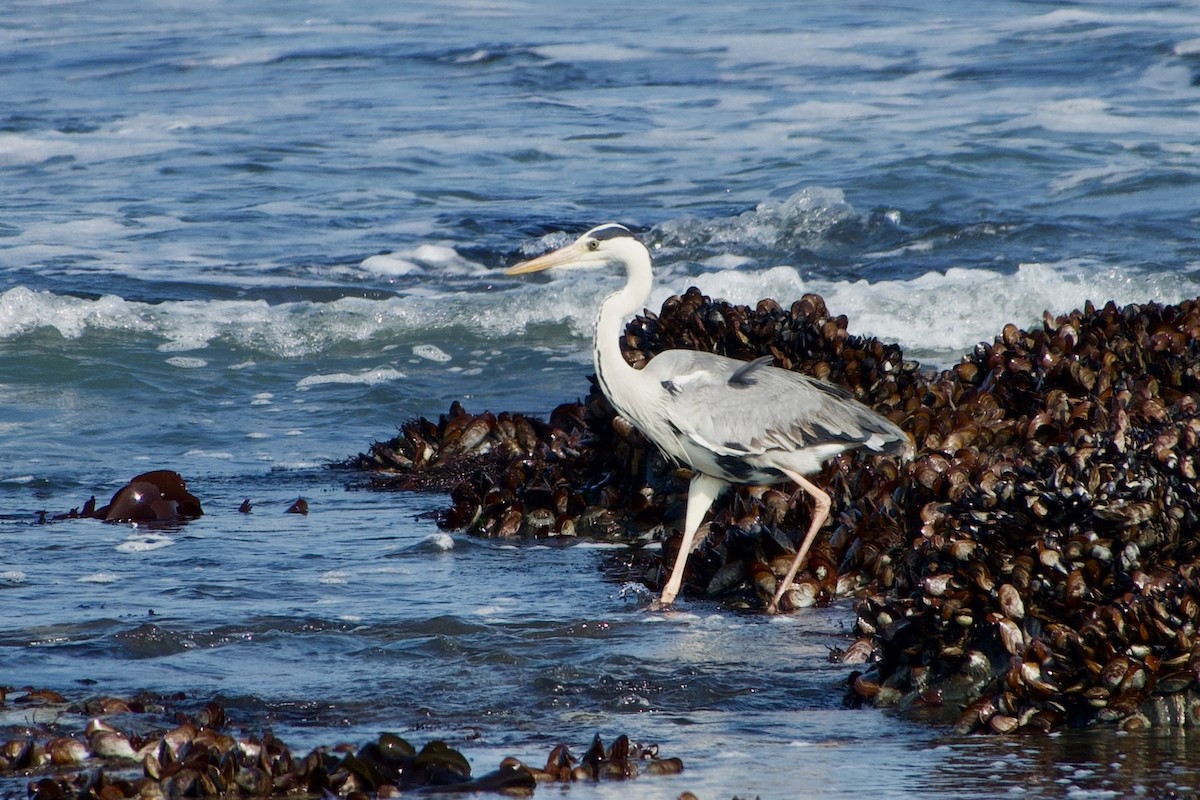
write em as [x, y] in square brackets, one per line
[660, 605]
[772, 608]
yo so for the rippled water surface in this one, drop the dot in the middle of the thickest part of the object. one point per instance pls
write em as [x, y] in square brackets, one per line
[244, 240]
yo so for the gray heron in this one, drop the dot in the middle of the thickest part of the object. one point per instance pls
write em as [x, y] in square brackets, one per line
[731, 421]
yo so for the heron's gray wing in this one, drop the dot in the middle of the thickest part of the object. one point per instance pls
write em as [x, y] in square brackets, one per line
[740, 408]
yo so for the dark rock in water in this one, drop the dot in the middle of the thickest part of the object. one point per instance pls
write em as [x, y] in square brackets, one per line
[1035, 565]
[199, 756]
[160, 496]
[298, 507]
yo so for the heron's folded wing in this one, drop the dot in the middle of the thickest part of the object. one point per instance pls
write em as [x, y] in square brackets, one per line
[765, 409]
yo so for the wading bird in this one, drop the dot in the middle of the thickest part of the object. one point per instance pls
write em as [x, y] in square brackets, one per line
[731, 421]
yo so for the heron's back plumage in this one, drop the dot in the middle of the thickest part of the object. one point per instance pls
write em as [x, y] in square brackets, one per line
[745, 422]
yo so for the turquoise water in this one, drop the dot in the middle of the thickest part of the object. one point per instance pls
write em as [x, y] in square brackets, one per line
[244, 242]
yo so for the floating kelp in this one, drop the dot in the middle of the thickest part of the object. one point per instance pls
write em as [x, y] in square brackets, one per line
[160, 497]
[1034, 565]
[201, 755]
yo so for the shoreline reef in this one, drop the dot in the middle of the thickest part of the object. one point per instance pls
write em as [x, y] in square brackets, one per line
[1036, 565]
[167, 746]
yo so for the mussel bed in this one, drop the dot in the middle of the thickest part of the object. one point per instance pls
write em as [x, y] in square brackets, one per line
[1035, 564]
[201, 753]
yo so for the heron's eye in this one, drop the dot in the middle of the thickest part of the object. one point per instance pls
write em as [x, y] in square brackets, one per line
[593, 245]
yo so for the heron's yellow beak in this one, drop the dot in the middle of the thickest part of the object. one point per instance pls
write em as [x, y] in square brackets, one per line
[555, 258]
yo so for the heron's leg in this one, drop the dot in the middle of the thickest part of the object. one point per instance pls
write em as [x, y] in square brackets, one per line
[820, 514]
[703, 490]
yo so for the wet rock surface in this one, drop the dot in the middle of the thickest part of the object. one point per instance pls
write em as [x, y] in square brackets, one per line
[156, 747]
[1034, 566]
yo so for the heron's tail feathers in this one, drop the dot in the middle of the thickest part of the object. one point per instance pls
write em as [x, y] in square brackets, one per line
[892, 441]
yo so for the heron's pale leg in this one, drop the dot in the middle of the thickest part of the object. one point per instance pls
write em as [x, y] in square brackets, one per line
[703, 490]
[820, 514]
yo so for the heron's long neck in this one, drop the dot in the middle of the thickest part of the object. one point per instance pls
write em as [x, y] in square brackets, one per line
[617, 378]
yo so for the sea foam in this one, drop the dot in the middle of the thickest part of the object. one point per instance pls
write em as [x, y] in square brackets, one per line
[369, 377]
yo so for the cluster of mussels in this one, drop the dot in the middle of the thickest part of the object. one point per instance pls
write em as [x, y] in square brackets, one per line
[1033, 566]
[1054, 570]
[510, 475]
[199, 757]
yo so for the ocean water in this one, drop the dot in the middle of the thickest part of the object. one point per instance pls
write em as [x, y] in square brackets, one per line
[242, 241]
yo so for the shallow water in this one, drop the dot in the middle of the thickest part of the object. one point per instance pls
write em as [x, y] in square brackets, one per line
[244, 242]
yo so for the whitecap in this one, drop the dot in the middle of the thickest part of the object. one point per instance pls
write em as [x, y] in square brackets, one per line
[596, 51]
[421, 259]
[436, 254]
[727, 261]
[748, 287]
[369, 377]
[387, 570]
[145, 542]
[187, 362]
[182, 345]
[291, 330]
[223, 455]
[941, 315]
[389, 265]
[439, 541]
[23, 310]
[431, 352]
[334, 577]
[99, 577]
[491, 612]
[1092, 115]
[288, 466]
[12, 576]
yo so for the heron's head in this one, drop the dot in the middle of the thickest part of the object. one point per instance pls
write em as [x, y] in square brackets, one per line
[605, 244]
